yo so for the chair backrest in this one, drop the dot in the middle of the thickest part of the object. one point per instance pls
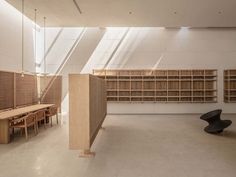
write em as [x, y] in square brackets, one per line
[30, 118]
[17, 120]
[52, 111]
[40, 114]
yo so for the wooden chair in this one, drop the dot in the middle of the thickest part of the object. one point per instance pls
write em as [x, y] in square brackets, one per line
[40, 116]
[24, 122]
[52, 111]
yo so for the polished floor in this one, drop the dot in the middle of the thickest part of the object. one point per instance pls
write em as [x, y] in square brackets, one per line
[130, 146]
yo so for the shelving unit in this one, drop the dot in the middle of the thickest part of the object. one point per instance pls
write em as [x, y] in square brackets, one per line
[191, 86]
[230, 86]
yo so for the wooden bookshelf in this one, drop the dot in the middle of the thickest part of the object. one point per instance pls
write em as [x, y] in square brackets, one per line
[230, 86]
[190, 86]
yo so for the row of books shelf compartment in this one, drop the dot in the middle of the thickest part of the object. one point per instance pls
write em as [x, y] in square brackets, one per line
[230, 92]
[229, 76]
[162, 87]
[230, 99]
[156, 77]
[160, 80]
[162, 90]
[192, 94]
[230, 80]
[177, 99]
[230, 72]
[230, 86]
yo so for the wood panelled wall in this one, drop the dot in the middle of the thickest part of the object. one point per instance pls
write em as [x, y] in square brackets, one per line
[6, 90]
[17, 91]
[53, 92]
[26, 90]
[87, 109]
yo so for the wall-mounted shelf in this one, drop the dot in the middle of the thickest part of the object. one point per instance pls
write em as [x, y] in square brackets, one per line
[189, 86]
[230, 86]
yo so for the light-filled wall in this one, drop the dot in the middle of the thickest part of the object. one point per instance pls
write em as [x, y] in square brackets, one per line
[173, 48]
[149, 48]
[73, 45]
[11, 40]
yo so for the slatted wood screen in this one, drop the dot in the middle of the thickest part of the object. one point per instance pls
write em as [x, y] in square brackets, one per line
[6, 90]
[26, 90]
[53, 95]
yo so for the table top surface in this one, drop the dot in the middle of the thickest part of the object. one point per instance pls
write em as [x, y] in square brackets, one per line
[19, 111]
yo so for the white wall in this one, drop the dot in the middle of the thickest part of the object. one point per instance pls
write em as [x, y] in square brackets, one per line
[154, 48]
[11, 41]
[160, 48]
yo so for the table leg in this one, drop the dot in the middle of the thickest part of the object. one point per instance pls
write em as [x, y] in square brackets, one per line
[4, 131]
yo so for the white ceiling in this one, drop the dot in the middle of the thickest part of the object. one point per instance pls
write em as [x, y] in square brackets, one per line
[148, 13]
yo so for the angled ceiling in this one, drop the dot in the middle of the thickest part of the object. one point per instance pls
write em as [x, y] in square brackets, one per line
[148, 13]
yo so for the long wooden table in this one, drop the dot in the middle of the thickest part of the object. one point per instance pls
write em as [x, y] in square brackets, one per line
[7, 115]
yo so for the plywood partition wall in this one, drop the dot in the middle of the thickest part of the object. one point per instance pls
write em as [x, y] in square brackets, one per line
[87, 110]
[6, 90]
[53, 92]
[17, 91]
[26, 90]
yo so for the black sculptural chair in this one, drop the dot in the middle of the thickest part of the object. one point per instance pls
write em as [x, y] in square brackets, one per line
[216, 125]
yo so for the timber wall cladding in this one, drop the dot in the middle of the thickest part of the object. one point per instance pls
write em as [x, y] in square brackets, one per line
[87, 109]
[6, 90]
[26, 90]
[17, 91]
[53, 86]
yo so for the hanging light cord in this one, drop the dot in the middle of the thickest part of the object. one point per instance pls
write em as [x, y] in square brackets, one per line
[35, 34]
[44, 58]
[22, 62]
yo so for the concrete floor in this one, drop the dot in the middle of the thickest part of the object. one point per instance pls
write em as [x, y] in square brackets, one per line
[130, 146]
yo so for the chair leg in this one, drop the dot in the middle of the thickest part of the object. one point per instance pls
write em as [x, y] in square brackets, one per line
[35, 129]
[51, 120]
[57, 118]
[13, 132]
[37, 126]
[44, 123]
[26, 133]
